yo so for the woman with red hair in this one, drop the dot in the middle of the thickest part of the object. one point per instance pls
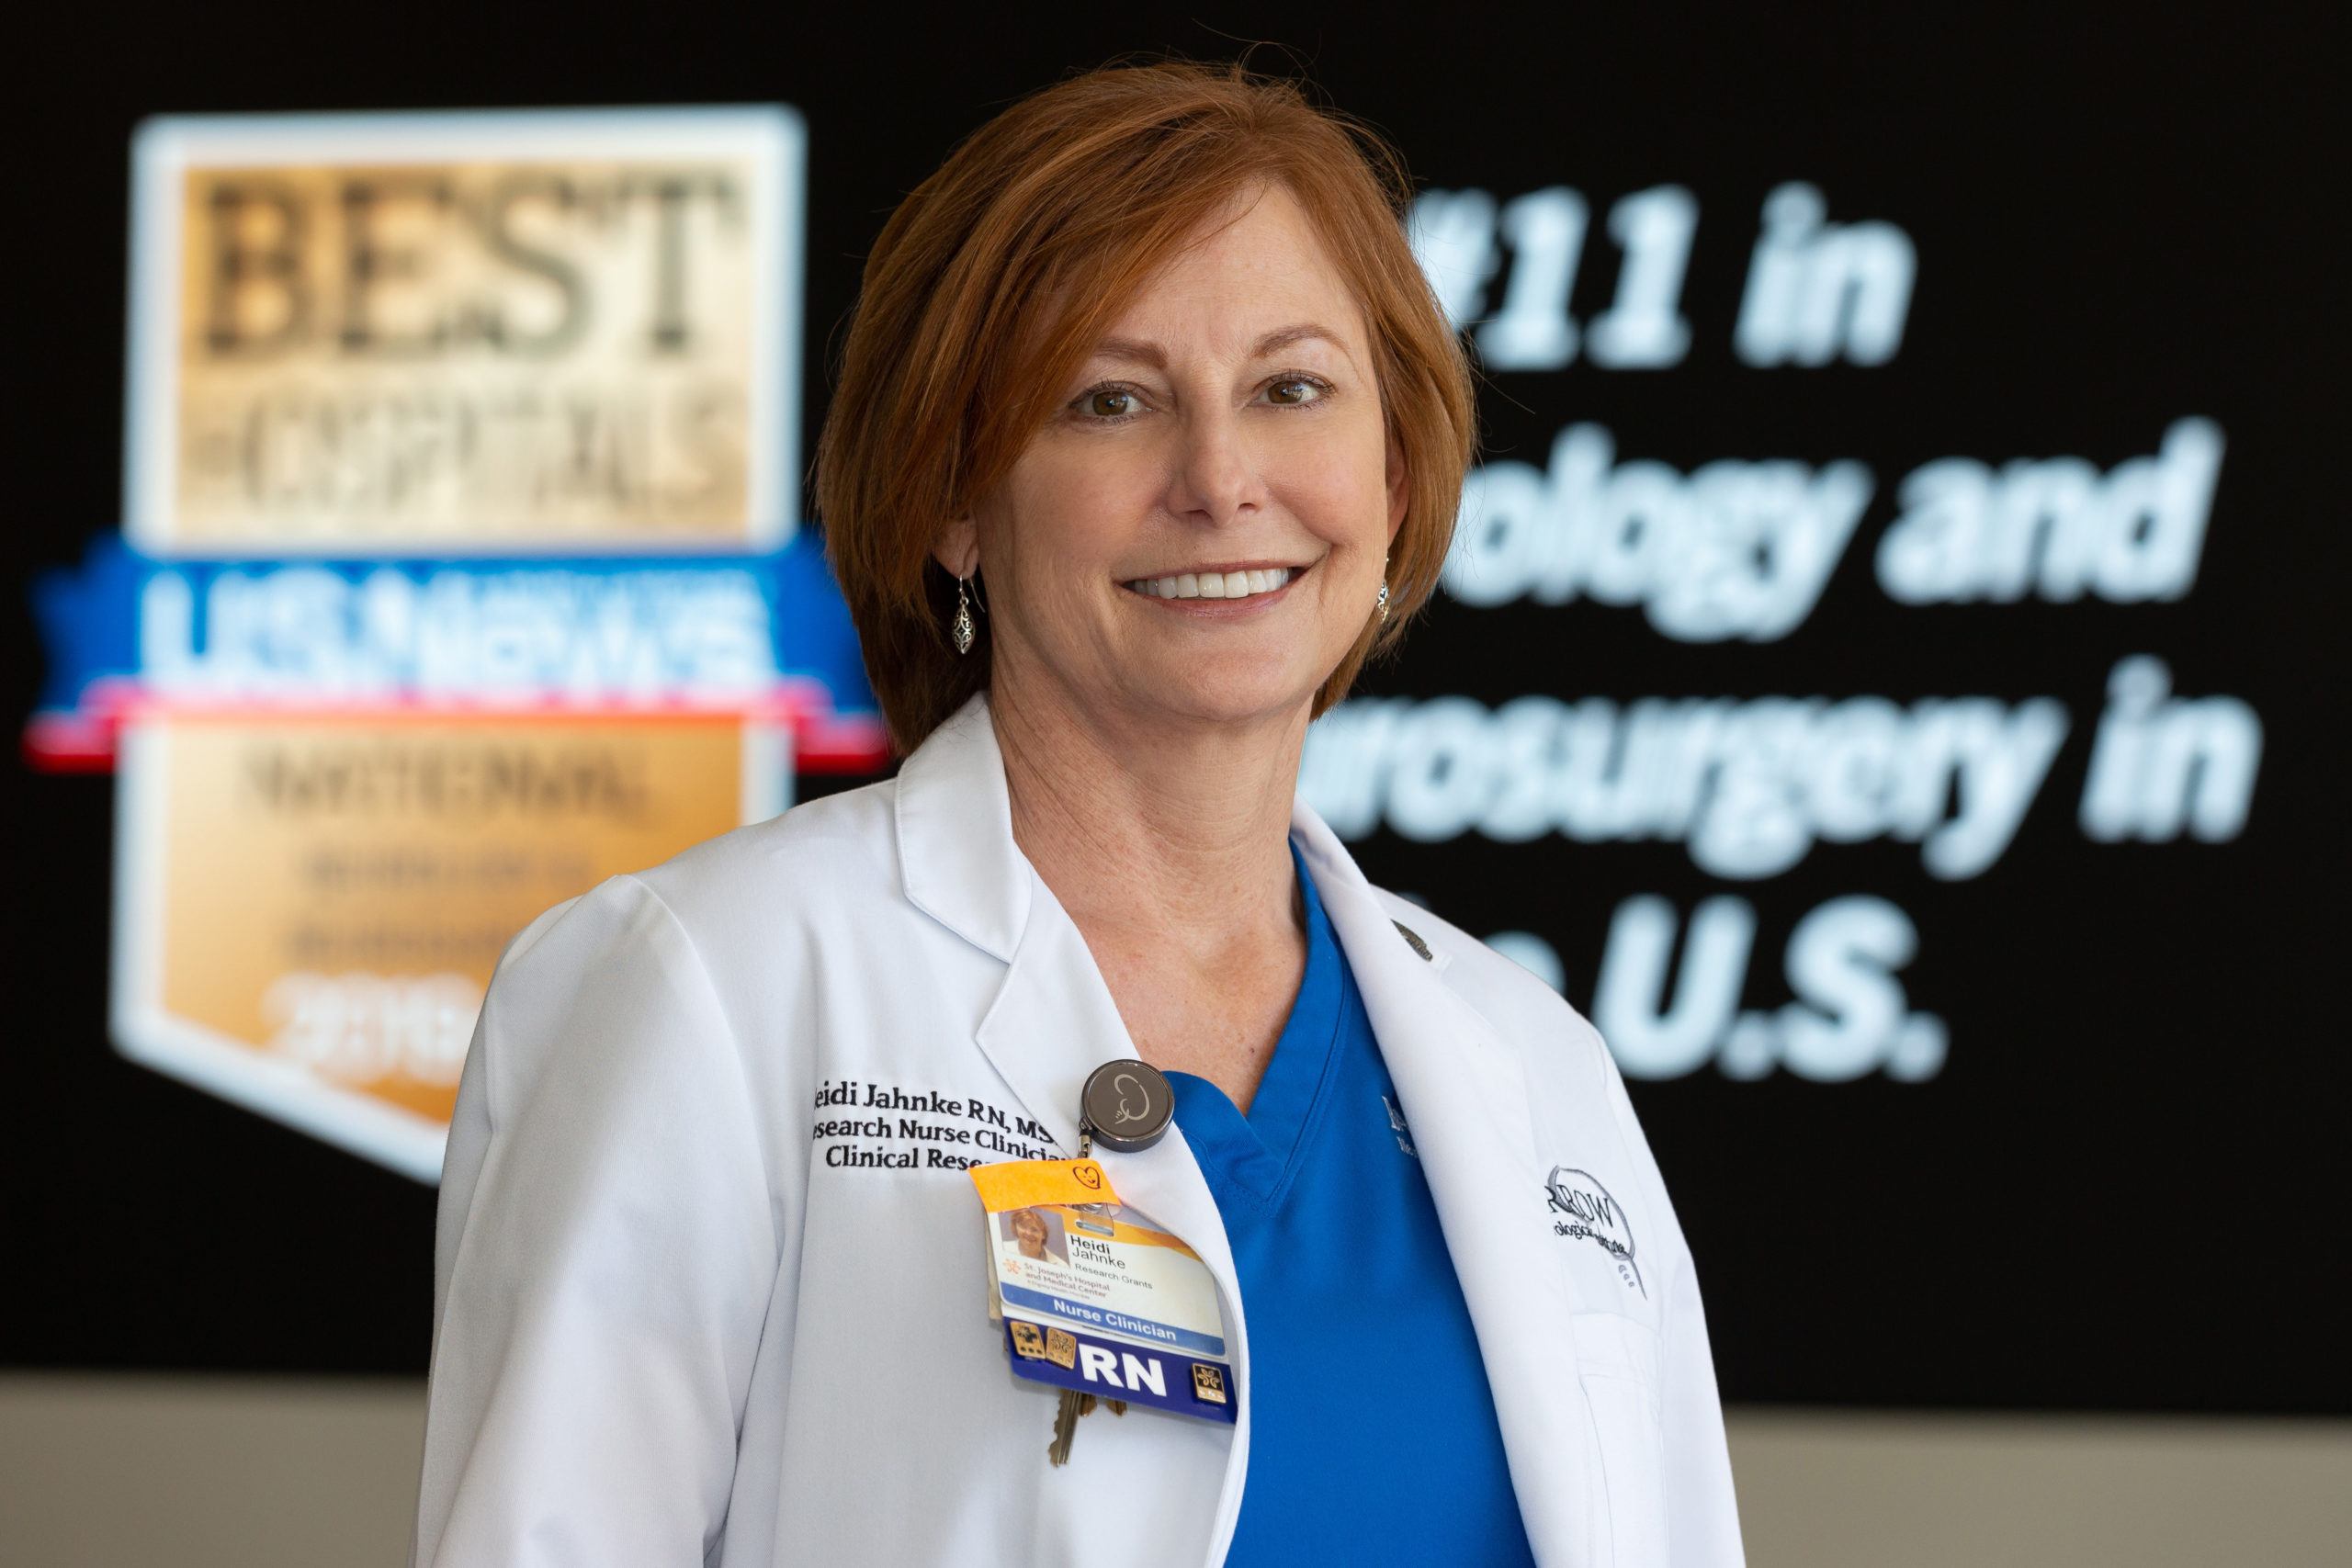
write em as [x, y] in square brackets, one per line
[1147, 434]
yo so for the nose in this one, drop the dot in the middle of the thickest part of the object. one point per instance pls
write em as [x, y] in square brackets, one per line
[1213, 476]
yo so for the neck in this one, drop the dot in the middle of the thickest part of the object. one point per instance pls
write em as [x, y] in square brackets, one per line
[1181, 830]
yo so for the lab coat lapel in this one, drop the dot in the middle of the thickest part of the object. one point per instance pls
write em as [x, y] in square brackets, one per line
[1053, 1022]
[1465, 1096]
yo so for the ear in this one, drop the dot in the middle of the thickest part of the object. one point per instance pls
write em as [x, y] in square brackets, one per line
[1400, 489]
[957, 548]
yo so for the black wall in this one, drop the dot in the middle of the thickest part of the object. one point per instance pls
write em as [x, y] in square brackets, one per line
[2119, 1189]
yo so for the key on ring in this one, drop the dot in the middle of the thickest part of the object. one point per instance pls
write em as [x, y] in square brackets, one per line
[1072, 1406]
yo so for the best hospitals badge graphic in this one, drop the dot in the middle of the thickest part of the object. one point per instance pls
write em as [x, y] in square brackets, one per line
[460, 571]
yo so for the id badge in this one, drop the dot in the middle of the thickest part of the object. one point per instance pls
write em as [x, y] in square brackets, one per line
[1097, 1299]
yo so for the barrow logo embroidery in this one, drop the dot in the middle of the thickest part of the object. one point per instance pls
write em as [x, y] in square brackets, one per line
[1582, 1209]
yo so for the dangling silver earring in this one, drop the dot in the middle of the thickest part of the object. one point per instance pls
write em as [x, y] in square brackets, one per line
[961, 629]
[1380, 604]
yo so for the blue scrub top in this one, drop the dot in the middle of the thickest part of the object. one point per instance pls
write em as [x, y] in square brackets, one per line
[1374, 1437]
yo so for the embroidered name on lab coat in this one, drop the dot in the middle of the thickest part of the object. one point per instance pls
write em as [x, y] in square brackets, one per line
[864, 1125]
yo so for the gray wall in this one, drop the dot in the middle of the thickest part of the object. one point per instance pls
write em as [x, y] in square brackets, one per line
[250, 1473]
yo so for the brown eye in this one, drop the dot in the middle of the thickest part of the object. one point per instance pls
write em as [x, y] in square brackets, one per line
[1293, 391]
[1109, 403]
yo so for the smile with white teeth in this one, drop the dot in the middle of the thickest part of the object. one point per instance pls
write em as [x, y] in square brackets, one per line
[1215, 584]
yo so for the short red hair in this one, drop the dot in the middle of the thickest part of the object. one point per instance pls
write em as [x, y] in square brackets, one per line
[994, 279]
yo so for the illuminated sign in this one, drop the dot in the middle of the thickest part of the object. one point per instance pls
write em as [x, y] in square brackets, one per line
[467, 331]
[460, 569]
[1733, 553]
[308, 909]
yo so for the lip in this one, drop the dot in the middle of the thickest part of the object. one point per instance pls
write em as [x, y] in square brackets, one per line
[1222, 609]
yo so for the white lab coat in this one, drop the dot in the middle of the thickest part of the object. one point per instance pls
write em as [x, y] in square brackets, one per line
[669, 1330]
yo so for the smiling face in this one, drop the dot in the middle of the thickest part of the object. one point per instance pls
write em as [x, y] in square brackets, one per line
[1196, 534]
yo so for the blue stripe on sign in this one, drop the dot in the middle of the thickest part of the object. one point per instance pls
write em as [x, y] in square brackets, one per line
[1135, 1374]
[604, 629]
[1116, 1322]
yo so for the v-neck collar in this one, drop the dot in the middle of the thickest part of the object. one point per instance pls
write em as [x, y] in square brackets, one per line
[1255, 1156]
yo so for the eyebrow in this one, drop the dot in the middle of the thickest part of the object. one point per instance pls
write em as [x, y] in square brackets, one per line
[1143, 353]
[1275, 342]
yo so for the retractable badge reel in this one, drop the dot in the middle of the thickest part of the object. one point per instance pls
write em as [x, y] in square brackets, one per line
[1126, 1106]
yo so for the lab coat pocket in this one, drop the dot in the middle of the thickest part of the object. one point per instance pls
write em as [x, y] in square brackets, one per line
[1617, 1360]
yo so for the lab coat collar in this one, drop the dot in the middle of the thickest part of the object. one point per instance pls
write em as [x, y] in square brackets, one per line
[957, 857]
[1054, 1021]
